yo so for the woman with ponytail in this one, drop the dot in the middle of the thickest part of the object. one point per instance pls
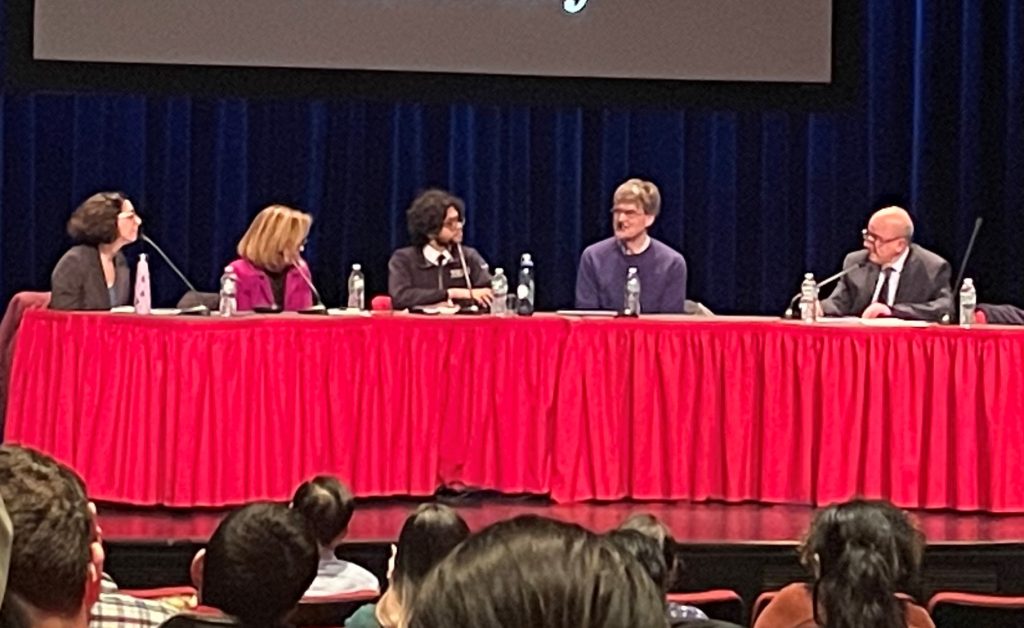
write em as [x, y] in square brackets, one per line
[865, 557]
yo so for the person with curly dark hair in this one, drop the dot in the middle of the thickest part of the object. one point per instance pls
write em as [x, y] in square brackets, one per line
[434, 269]
[866, 559]
[93, 274]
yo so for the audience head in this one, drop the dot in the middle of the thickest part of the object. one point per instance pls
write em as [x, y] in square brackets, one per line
[105, 218]
[428, 535]
[276, 238]
[258, 563]
[436, 216]
[327, 505]
[646, 552]
[541, 573]
[56, 558]
[651, 527]
[635, 206]
[889, 233]
[862, 553]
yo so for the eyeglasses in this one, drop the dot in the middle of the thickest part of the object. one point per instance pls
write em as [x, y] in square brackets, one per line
[873, 238]
[627, 213]
[453, 222]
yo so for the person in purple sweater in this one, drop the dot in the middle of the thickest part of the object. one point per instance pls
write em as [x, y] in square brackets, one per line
[601, 281]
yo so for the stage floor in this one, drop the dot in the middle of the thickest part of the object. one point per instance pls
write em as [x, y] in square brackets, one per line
[379, 521]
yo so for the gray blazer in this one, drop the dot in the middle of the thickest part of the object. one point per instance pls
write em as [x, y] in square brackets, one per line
[923, 292]
[77, 281]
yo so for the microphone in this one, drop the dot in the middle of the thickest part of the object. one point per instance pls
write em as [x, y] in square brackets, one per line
[472, 308]
[319, 308]
[198, 309]
[953, 316]
[821, 284]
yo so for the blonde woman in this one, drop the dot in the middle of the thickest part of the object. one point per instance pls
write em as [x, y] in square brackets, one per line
[270, 269]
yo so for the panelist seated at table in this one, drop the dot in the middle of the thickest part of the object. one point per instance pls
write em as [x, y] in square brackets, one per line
[270, 269]
[93, 274]
[601, 279]
[433, 270]
[894, 277]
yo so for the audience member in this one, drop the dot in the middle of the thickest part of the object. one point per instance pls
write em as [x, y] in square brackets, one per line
[328, 507]
[93, 274]
[256, 566]
[865, 556]
[56, 557]
[428, 535]
[651, 557]
[270, 269]
[536, 572]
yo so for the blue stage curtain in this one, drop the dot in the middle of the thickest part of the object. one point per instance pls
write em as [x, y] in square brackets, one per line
[753, 198]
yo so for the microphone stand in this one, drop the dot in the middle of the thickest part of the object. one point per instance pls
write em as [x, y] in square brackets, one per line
[821, 284]
[200, 309]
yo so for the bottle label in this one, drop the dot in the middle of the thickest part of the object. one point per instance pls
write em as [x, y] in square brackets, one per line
[523, 292]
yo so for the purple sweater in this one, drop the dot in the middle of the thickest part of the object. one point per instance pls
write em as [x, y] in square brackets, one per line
[601, 281]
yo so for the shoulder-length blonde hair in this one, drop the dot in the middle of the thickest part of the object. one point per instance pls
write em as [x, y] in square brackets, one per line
[275, 238]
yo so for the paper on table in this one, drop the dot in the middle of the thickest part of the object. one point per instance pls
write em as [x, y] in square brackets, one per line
[893, 322]
[345, 311]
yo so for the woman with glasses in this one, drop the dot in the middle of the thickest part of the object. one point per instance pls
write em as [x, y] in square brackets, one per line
[93, 274]
[270, 269]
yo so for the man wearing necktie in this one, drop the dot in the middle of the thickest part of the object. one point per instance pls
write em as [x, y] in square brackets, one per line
[893, 276]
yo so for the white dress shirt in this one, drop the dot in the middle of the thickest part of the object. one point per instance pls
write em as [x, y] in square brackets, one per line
[335, 576]
[436, 257]
[894, 279]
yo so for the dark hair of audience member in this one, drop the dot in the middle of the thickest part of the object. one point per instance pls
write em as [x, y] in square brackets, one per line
[327, 505]
[646, 551]
[53, 529]
[428, 535]
[425, 217]
[259, 562]
[531, 571]
[864, 553]
[653, 528]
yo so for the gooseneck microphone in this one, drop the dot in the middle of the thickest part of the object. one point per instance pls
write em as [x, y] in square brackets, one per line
[319, 308]
[198, 309]
[473, 307]
[953, 316]
[825, 282]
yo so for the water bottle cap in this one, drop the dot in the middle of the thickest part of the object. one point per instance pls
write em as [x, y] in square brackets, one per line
[357, 266]
[809, 276]
[632, 270]
[499, 271]
[142, 257]
[526, 258]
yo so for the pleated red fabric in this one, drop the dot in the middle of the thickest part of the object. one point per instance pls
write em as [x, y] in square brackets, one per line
[209, 412]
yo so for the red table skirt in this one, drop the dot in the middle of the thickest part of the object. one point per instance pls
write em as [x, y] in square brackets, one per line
[207, 412]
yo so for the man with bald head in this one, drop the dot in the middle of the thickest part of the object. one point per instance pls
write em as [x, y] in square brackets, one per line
[893, 276]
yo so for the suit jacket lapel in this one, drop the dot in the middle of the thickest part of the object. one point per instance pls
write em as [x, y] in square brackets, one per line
[908, 279]
[867, 289]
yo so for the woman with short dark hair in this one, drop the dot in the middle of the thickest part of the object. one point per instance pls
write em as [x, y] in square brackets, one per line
[93, 274]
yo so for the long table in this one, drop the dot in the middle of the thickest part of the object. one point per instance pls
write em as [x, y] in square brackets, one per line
[208, 411]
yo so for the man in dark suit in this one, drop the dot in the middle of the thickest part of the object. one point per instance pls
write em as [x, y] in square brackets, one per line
[894, 277]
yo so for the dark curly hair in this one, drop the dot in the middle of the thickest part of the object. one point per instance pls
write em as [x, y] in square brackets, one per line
[95, 220]
[426, 215]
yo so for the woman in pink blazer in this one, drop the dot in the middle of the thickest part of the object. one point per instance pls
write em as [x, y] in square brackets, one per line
[270, 269]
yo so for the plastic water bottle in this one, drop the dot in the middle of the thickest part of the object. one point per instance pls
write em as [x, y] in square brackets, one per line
[968, 303]
[809, 299]
[499, 287]
[228, 292]
[525, 289]
[142, 296]
[357, 288]
[631, 306]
